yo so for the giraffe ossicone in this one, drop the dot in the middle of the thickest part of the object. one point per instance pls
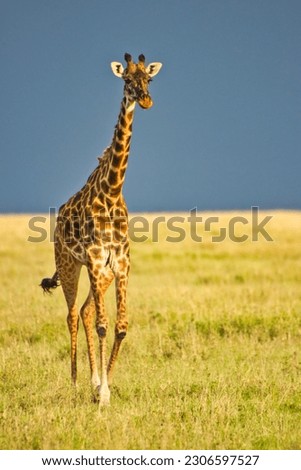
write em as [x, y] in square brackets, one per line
[92, 231]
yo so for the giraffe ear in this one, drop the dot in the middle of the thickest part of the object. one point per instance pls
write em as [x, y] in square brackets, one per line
[117, 69]
[153, 68]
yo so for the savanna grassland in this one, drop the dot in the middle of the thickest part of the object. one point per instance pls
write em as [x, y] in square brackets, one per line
[212, 359]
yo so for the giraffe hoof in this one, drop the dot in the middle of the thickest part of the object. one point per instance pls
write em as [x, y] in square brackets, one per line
[104, 397]
[104, 402]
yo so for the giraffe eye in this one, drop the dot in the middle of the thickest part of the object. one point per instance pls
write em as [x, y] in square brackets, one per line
[127, 81]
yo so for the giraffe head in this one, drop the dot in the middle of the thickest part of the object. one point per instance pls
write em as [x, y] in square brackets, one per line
[136, 79]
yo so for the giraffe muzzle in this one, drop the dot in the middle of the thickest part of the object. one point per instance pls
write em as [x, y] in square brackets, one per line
[145, 102]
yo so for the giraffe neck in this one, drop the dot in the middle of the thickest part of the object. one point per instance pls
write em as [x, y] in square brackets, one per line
[119, 150]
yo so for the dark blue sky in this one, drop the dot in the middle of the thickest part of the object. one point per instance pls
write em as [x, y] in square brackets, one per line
[224, 131]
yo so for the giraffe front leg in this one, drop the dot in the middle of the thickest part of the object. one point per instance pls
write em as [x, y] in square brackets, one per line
[100, 281]
[121, 325]
[87, 313]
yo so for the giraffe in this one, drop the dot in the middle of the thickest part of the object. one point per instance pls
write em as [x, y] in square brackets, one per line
[92, 230]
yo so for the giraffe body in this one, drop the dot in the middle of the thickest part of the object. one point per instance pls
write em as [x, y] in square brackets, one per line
[92, 231]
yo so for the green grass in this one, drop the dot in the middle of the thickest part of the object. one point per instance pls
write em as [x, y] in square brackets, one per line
[212, 359]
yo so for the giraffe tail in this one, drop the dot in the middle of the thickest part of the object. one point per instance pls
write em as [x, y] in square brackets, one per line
[49, 283]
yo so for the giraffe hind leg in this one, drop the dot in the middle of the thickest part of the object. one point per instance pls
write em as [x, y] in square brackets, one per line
[69, 272]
